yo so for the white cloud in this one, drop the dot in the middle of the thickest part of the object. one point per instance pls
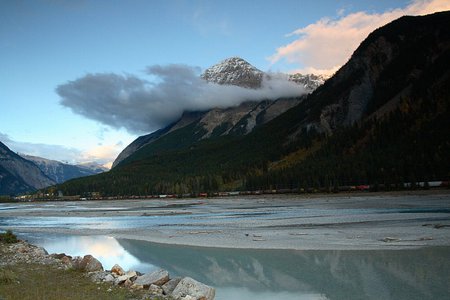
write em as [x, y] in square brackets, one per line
[142, 106]
[326, 45]
[102, 154]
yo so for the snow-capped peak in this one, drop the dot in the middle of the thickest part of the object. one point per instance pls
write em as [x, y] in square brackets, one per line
[234, 71]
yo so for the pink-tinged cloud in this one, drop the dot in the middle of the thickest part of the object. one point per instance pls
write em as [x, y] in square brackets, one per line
[326, 45]
[102, 154]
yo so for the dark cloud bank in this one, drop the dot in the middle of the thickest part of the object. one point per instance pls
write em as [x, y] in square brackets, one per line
[144, 105]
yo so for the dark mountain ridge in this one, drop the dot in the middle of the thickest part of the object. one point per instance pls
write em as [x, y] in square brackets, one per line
[383, 118]
[18, 175]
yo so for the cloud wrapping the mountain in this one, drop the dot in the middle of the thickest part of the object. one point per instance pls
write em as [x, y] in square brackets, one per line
[144, 105]
[323, 47]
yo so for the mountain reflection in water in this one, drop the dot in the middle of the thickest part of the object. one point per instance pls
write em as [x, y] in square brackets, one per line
[276, 274]
[396, 274]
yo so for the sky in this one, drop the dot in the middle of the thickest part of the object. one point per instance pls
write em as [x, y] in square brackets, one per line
[80, 80]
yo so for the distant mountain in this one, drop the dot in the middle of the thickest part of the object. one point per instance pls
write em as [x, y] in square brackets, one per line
[239, 120]
[383, 119]
[18, 175]
[60, 172]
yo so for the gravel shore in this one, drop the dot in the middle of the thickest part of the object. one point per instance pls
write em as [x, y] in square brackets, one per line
[302, 222]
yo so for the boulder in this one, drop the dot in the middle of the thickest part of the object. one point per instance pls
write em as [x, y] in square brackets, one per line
[156, 290]
[128, 276]
[157, 278]
[132, 275]
[128, 283]
[121, 279]
[88, 263]
[109, 278]
[116, 269]
[169, 286]
[67, 260]
[190, 287]
[98, 276]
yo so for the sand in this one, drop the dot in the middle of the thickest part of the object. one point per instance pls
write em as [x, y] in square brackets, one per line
[366, 221]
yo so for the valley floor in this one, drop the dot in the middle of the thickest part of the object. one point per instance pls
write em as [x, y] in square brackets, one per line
[302, 222]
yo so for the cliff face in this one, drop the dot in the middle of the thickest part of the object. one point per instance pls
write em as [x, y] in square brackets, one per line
[382, 71]
[18, 174]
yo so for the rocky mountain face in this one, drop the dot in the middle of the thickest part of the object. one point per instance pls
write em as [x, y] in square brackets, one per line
[238, 120]
[382, 72]
[18, 174]
[60, 172]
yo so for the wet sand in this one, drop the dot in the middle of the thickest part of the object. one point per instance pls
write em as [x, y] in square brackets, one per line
[302, 222]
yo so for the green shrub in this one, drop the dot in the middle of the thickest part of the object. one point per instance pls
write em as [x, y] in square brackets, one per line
[8, 237]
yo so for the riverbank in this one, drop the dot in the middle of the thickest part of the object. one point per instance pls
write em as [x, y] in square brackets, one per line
[363, 221]
[29, 272]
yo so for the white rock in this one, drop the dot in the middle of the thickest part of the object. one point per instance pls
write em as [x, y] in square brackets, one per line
[157, 278]
[116, 269]
[191, 287]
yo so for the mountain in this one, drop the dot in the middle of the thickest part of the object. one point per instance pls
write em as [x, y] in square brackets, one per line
[234, 71]
[18, 175]
[383, 119]
[238, 120]
[60, 172]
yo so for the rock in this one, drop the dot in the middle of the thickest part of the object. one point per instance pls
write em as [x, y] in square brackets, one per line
[67, 260]
[116, 269]
[121, 279]
[188, 286]
[390, 239]
[88, 263]
[132, 275]
[159, 278]
[128, 283]
[39, 251]
[58, 255]
[137, 286]
[109, 278]
[98, 276]
[169, 286]
[154, 289]
[129, 276]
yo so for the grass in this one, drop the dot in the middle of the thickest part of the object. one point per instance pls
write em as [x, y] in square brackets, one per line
[35, 281]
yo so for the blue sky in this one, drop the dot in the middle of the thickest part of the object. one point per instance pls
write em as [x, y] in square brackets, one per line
[45, 44]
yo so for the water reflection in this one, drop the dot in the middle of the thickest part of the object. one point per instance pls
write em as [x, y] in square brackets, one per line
[405, 274]
[277, 274]
[106, 249]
